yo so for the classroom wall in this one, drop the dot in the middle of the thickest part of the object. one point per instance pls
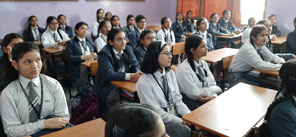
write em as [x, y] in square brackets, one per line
[285, 11]
[14, 15]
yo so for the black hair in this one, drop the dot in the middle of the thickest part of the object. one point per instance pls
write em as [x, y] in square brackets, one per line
[295, 22]
[18, 51]
[139, 18]
[112, 18]
[48, 20]
[212, 15]
[261, 22]
[101, 25]
[272, 15]
[199, 20]
[7, 39]
[162, 21]
[135, 120]
[98, 20]
[78, 25]
[30, 18]
[188, 13]
[250, 19]
[125, 60]
[193, 42]
[256, 31]
[150, 63]
[142, 35]
[61, 15]
[129, 17]
[225, 11]
[178, 14]
[105, 18]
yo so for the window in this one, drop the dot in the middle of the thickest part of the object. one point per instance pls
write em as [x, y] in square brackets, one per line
[252, 8]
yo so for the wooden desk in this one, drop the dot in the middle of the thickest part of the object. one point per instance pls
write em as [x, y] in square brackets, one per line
[94, 128]
[217, 55]
[52, 53]
[230, 37]
[279, 40]
[87, 63]
[234, 112]
[270, 72]
[126, 85]
[154, 27]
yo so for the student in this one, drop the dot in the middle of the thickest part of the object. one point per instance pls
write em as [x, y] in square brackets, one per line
[130, 31]
[275, 30]
[130, 122]
[33, 32]
[166, 34]
[31, 98]
[226, 23]
[189, 22]
[281, 114]
[247, 30]
[202, 26]
[100, 18]
[53, 37]
[116, 61]
[63, 25]
[253, 54]
[179, 28]
[291, 40]
[115, 22]
[141, 23]
[77, 50]
[146, 38]
[8, 43]
[194, 77]
[101, 41]
[158, 88]
[108, 16]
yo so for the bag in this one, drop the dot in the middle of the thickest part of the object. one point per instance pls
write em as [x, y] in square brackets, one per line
[85, 106]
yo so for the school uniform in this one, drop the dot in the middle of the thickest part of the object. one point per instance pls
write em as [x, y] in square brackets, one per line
[95, 30]
[248, 58]
[179, 29]
[133, 34]
[275, 30]
[216, 30]
[286, 56]
[189, 24]
[167, 36]
[208, 39]
[67, 29]
[291, 42]
[100, 42]
[150, 90]
[51, 38]
[33, 34]
[246, 34]
[107, 71]
[191, 86]
[4, 61]
[282, 119]
[227, 25]
[74, 50]
[16, 110]
[140, 53]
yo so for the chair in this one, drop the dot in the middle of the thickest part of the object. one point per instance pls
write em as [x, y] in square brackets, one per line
[93, 69]
[225, 65]
[178, 49]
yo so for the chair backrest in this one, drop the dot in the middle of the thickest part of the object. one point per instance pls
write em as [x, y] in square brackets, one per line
[179, 48]
[227, 61]
[93, 68]
[154, 28]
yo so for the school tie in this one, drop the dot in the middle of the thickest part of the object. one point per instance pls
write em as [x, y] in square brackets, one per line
[259, 51]
[201, 75]
[55, 37]
[36, 35]
[63, 28]
[83, 45]
[132, 29]
[165, 85]
[121, 63]
[33, 98]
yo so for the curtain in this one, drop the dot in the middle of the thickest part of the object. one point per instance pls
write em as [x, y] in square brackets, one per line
[204, 8]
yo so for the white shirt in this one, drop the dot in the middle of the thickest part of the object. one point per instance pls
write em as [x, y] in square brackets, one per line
[127, 75]
[247, 59]
[100, 42]
[170, 35]
[246, 34]
[140, 30]
[14, 105]
[204, 36]
[47, 39]
[87, 52]
[35, 35]
[189, 83]
[150, 93]
[94, 31]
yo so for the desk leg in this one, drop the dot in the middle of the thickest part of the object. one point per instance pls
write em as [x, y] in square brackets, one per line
[54, 67]
[221, 75]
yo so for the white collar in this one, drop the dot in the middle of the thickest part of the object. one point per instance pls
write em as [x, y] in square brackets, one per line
[81, 39]
[203, 33]
[102, 35]
[140, 30]
[34, 28]
[25, 81]
[115, 51]
[197, 64]
[226, 20]
[158, 74]
[63, 26]
[53, 31]
[179, 22]
[294, 98]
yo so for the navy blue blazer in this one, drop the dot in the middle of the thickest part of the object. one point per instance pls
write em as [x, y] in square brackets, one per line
[73, 56]
[28, 34]
[189, 26]
[133, 36]
[227, 26]
[178, 30]
[140, 53]
[275, 30]
[282, 119]
[69, 31]
[209, 41]
[107, 71]
[291, 42]
[218, 31]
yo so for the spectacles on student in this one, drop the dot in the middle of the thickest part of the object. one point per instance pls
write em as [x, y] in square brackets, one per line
[54, 23]
[149, 38]
[168, 54]
[121, 39]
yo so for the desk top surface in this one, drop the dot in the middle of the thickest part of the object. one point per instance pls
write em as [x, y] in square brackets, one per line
[230, 37]
[217, 55]
[270, 72]
[87, 63]
[127, 85]
[279, 40]
[54, 50]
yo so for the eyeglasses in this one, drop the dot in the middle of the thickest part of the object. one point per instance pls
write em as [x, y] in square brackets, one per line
[149, 38]
[168, 54]
[121, 39]
[54, 23]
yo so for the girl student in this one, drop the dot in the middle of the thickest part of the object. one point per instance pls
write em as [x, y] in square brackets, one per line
[117, 62]
[247, 30]
[158, 88]
[53, 37]
[115, 22]
[108, 16]
[63, 25]
[77, 50]
[189, 22]
[29, 101]
[166, 34]
[227, 24]
[101, 41]
[179, 28]
[100, 18]
[202, 26]
[33, 32]
[146, 37]
[130, 31]
[194, 77]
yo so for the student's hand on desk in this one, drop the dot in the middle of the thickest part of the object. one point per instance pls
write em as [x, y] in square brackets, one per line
[272, 37]
[205, 98]
[61, 43]
[55, 123]
[94, 55]
[237, 32]
[37, 42]
[87, 57]
[136, 76]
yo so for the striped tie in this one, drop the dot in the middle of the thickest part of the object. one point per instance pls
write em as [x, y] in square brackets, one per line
[34, 99]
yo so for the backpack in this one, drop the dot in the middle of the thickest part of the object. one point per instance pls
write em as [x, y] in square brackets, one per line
[85, 106]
